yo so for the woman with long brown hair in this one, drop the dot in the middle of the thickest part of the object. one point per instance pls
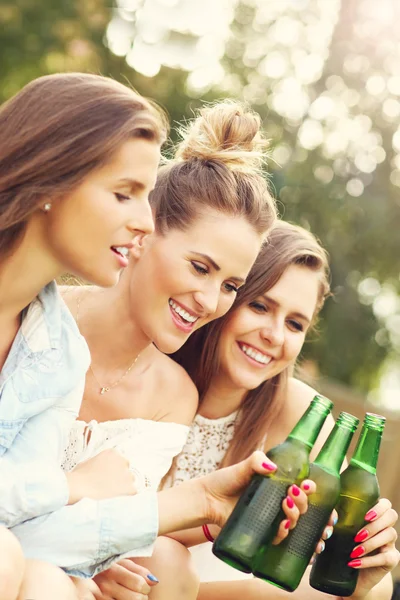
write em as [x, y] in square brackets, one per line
[242, 366]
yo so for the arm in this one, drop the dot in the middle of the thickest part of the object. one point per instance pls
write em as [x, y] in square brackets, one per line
[32, 482]
[129, 525]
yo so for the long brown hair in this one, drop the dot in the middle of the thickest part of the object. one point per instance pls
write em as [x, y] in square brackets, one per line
[218, 165]
[287, 245]
[55, 131]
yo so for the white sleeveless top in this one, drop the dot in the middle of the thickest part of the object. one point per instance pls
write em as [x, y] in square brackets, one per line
[150, 446]
[207, 444]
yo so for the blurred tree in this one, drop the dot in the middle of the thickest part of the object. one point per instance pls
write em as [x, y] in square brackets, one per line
[325, 77]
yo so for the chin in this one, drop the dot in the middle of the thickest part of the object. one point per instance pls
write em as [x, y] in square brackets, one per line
[169, 344]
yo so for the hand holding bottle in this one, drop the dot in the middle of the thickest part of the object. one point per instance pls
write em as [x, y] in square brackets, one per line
[294, 505]
[375, 554]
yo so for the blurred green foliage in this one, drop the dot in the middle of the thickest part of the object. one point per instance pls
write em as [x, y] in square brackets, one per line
[348, 195]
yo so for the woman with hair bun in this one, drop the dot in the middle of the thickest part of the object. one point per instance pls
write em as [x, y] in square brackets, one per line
[212, 212]
[78, 156]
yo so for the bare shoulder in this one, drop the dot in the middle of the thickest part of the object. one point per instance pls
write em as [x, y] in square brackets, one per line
[298, 398]
[180, 395]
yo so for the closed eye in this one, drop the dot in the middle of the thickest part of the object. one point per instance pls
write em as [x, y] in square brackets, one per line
[258, 307]
[229, 287]
[121, 197]
[201, 269]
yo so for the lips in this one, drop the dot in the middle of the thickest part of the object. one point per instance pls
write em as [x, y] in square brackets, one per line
[182, 318]
[254, 354]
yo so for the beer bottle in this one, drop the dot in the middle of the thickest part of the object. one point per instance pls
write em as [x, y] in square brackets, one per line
[284, 565]
[359, 492]
[256, 517]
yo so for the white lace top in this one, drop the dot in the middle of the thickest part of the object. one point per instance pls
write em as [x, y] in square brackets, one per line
[206, 445]
[150, 446]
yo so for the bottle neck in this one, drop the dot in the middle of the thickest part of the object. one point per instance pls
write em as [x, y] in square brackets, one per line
[367, 450]
[334, 450]
[310, 424]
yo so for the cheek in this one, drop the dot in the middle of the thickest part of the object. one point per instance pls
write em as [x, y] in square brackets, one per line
[224, 304]
[293, 348]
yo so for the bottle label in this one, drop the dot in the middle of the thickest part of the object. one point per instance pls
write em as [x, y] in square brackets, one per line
[305, 535]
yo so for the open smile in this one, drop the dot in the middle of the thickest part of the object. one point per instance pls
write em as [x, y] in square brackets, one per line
[182, 318]
[122, 253]
[254, 355]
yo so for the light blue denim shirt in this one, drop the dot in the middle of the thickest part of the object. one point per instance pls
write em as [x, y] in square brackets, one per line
[41, 388]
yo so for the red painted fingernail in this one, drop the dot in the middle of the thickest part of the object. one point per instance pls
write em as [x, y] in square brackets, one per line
[287, 524]
[295, 490]
[354, 563]
[371, 515]
[306, 487]
[269, 466]
[359, 551]
[289, 502]
[361, 536]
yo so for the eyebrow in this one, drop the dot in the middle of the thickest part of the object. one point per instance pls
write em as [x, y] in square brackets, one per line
[215, 265]
[132, 184]
[295, 314]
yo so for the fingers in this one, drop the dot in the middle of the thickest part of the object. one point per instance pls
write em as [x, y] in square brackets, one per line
[121, 581]
[294, 505]
[385, 521]
[384, 539]
[132, 566]
[378, 510]
[387, 559]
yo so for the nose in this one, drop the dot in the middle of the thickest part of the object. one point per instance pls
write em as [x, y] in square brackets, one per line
[141, 219]
[208, 298]
[273, 332]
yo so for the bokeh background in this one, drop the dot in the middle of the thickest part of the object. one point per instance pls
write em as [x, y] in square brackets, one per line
[325, 77]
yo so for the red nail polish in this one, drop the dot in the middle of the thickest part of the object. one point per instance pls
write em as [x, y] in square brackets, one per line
[306, 487]
[354, 563]
[269, 466]
[361, 536]
[371, 515]
[287, 524]
[357, 552]
[295, 490]
[289, 502]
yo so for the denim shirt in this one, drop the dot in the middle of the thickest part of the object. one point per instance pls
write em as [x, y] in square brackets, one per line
[41, 389]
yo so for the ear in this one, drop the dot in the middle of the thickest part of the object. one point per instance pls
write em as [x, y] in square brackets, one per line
[139, 244]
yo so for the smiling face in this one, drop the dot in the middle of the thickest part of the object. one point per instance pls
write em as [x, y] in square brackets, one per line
[89, 232]
[266, 335]
[185, 279]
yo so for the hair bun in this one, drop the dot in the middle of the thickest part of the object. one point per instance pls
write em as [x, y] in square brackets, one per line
[228, 132]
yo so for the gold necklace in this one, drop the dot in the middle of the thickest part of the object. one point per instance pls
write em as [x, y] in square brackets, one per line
[103, 388]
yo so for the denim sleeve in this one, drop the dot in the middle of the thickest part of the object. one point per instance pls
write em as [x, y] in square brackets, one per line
[29, 491]
[87, 537]
[32, 482]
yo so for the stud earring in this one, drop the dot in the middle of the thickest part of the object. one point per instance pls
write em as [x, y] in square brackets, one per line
[47, 207]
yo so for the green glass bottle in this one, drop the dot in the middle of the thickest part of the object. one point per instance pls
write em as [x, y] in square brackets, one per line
[256, 517]
[284, 565]
[359, 493]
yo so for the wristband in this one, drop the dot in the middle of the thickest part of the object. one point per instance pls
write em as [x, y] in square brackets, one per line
[207, 533]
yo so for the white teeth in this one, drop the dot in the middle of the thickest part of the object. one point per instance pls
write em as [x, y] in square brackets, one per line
[255, 355]
[183, 313]
[122, 250]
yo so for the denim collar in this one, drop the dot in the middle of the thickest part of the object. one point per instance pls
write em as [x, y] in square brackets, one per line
[42, 323]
